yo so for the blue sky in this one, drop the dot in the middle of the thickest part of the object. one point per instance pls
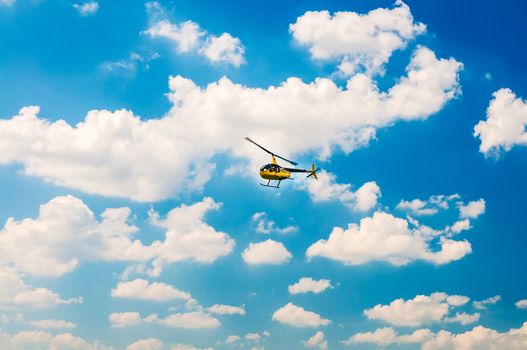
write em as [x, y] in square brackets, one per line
[130, 211]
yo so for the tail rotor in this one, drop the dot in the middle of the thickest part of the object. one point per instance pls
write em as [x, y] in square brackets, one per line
[313, 171]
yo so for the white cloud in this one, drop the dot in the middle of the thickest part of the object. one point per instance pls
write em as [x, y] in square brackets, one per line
[188, 237]
[431, 206]
[52, 324]
[387, 238]
[142, 289]
[506, 123]
[128, 67]
[87, 8]
[328, 189]
[146, 344]
[186, 347]
[482, 304]
[253, 337]
[307, 284]
[387, 336]
[40, 340]
[14, 292]
[66, 231]
[418, 311]
[521, 304]
[124, 319]
[232, 339]
[189, 37]
[317, 341]
[298, 317]
[118, 154]
[472, 210]
[479, 338]
[358, 41]
[224, 48]
[221, 309]
[267, 226]
[463, 318]
[460, 226]
[266, 252]
[188, 320]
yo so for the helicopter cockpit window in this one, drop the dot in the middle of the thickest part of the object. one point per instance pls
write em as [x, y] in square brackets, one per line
[265, 167]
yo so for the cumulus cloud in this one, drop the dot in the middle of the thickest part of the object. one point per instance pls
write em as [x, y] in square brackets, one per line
[431, 206]
[479, 338]
[506, 123]
[298, 317]
[128, 67]
[328, 189]
[188, 36]
[44, 340]
[307, 284]
[221, 309]
[388, 336]
[187, 320]
[472, 210]
[266, 226]
[463, 318]
[87, 8]
[358, 41]
[386, 238]
[483, 304]
[266, 252]
[66, 231]
[146, 344]
[142, 289]
[186, 347]
[14, 292]
[52, 324]
[118, 154]
[419, 311]
[317, 341]
[124, 319]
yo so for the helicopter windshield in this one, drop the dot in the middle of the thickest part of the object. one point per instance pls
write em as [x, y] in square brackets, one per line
[265, 167]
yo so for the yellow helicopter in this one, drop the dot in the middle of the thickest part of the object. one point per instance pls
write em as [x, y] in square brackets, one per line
[273, 171]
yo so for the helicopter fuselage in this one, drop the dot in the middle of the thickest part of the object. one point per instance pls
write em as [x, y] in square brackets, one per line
[274, 172]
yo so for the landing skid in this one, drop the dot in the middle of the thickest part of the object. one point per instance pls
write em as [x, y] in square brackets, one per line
[269, 185]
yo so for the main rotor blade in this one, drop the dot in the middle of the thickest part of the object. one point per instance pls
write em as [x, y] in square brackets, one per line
[271, 153]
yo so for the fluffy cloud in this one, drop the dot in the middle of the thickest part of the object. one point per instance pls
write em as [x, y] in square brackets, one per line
[506, 123]
[189, 37]
[14, 292]
[186, 347]
[124, 319]
[387, 238]
[188, 237]
[307, 284]
[298, 317]
[482, 304]
[387, 336]
[118, 154]
[431, 206]
[358, 41]
[266, 252]
[142, 289]
[419, 311]
[317, 341]
[226, 310]
[267, 226]
[479, 338]
[328, 189]
[66, 231]
[521, 304]
[463, 318]
[52, 324]
[188, 320]
[87, 8]
[472, 210]
[146, 344]
[43, 340]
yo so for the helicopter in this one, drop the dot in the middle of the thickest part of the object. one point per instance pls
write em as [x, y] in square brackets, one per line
[273, 171]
